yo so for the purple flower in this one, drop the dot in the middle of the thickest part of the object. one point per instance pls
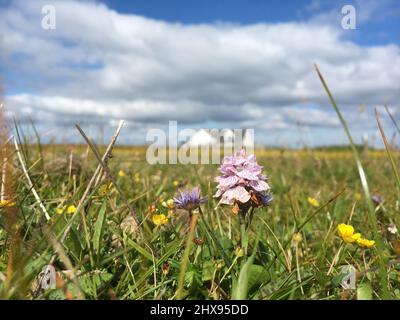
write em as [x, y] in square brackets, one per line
[242, 180]
[189, 200]
[377, 199]
[266, 199]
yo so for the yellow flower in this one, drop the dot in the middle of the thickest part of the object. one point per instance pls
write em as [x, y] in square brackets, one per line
[355, 236]
[104, 189]
[7, 203]
[121, 173]
[159, 219]
[357, 196]
[71, 209]
[365, 243]
[239, 252]
[176, 183]
[346, 232]
[136, 177]
[61, 210]
[170, 204]
[297, 238]
[313, 202]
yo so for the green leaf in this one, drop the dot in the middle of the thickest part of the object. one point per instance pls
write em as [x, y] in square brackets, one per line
[263, 253]
[141, 250]
[34, 266]
[56, 294]
[364, 291]
[192, 276]
[89, 282]
[241, 285]
[209, 269]
[98, 228]
[226, 243]
[257, 275]
[75, 243]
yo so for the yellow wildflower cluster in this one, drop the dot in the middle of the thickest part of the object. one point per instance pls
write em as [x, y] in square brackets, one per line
[346, 233]
[136, 177]
[6, 203]
[162, 219]
[121, 173]
[171, 207]
[70, 209]
[159, 219]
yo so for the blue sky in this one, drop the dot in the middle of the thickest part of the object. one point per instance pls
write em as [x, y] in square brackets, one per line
[381, 27]
[240, 11]
[220, 64]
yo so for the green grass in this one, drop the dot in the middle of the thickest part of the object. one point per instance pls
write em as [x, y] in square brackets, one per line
[109, 262]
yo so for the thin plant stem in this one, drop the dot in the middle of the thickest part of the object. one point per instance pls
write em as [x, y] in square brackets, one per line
[185, 259]
[372, 217]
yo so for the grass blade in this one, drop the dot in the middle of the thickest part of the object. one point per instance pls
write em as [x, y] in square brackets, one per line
[392, 118]
[98, 228]
[389, 154]
[364, 183]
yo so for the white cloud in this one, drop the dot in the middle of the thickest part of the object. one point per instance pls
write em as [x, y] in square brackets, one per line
[100, 65]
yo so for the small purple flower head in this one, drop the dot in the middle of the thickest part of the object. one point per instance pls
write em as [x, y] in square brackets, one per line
[189, 200]
[266, 199]
[242, 181]
[377, 199]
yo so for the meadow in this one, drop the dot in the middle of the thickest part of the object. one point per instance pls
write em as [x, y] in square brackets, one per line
[98, 222]
[295, 249]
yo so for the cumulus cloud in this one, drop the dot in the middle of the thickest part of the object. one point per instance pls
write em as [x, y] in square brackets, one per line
[99, 65]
